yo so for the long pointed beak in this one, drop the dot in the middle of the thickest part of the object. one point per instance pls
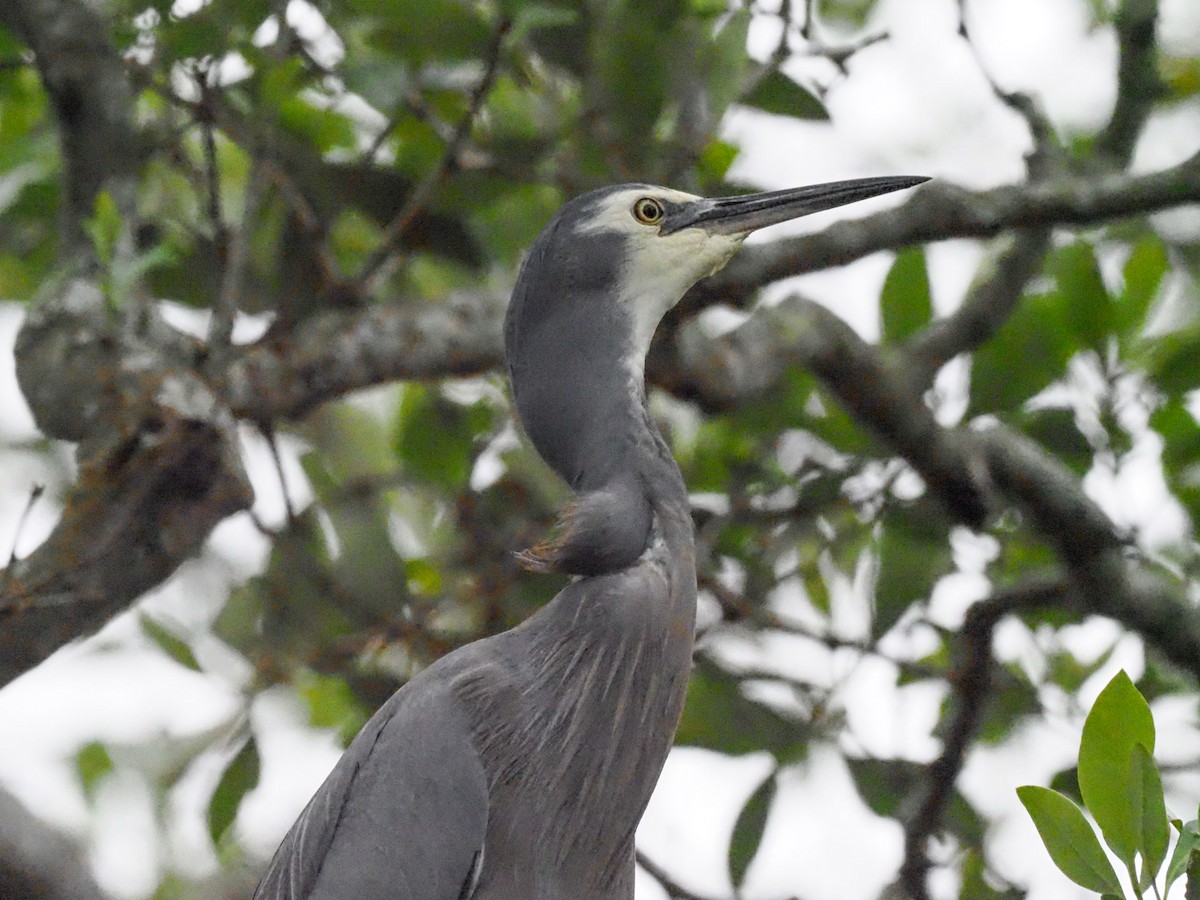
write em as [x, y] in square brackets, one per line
[741, 215]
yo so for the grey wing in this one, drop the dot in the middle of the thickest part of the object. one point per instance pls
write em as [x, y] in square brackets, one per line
[402, 815]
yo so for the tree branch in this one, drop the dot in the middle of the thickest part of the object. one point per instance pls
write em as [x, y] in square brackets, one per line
[1110, 584]
[394, 231]
[971, 679]
[343, 351]
[1138, 84]
[86, 82]
[988, 304]
[330, 355]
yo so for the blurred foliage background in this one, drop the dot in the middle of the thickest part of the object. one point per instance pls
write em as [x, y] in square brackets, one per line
[313, 162]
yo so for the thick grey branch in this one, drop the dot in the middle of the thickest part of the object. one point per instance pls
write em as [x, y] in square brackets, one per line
[86, 83]
[799, 332]
[1110, 584]
[38, 863]
[159, 468]
[329, 355]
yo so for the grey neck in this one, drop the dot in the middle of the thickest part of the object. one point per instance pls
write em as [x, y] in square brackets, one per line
[568, 346]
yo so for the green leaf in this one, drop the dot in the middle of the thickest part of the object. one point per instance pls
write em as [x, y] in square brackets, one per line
[434, 437]
[92, 762]
[718, 716]
[905, 303]
[1069, 839]
[1189, 841]
[726, 61]
[239, 778]
[1172, 360]
[1085, 299]
[1154, 833]
[1119, 720]
[104, 227]
[172, 645]
[1144, 271]
[777, 94]
[914, 552]
[331, 704]
[1029, 351]
[748, 830]
[533, 16]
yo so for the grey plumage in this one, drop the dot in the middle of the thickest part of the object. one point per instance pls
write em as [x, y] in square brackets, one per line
[518, 767]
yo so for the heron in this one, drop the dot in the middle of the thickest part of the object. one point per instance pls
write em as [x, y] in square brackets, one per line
[517, 767]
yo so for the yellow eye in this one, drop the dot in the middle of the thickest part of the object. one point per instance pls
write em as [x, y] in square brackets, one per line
[648, 211]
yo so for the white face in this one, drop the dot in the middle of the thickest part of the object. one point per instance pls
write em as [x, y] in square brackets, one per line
[660, 267]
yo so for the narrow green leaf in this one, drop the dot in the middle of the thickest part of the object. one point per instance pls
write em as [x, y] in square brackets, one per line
[748, 830]
[905, 303]
[1154, 833]
[1189, 840]
[1069, 839]
[172, 645]
[1144, 271]
[1089, 308]
[240, 777]
[1192, 891]
[1119, 720]
[777, 94]
[914, 552]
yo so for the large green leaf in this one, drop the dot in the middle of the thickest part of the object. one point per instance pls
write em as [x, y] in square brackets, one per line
[905, 304]
[748, 830]
[1181, 451]
[1143, 272]
[1173, 360]
[1119, 720]
[914, 552]
[718, 716]
[239, 778]
[1069, 839]
[1089, 309]
[1029, 352]
[776, 93]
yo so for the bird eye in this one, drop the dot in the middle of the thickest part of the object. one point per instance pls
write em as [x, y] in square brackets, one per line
[648, 211]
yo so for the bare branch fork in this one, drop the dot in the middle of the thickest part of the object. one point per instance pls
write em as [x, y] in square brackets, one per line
[393, 233]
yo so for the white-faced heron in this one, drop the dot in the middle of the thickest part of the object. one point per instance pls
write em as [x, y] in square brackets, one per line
[518, 767]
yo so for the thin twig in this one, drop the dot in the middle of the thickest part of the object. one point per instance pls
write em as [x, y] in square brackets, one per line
[272, 442]
[35, 494]
[989, 303]
[674, 889]
[1047, 155]
[220, 329]
[393, 233]
[212, 172]
[972, 683]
